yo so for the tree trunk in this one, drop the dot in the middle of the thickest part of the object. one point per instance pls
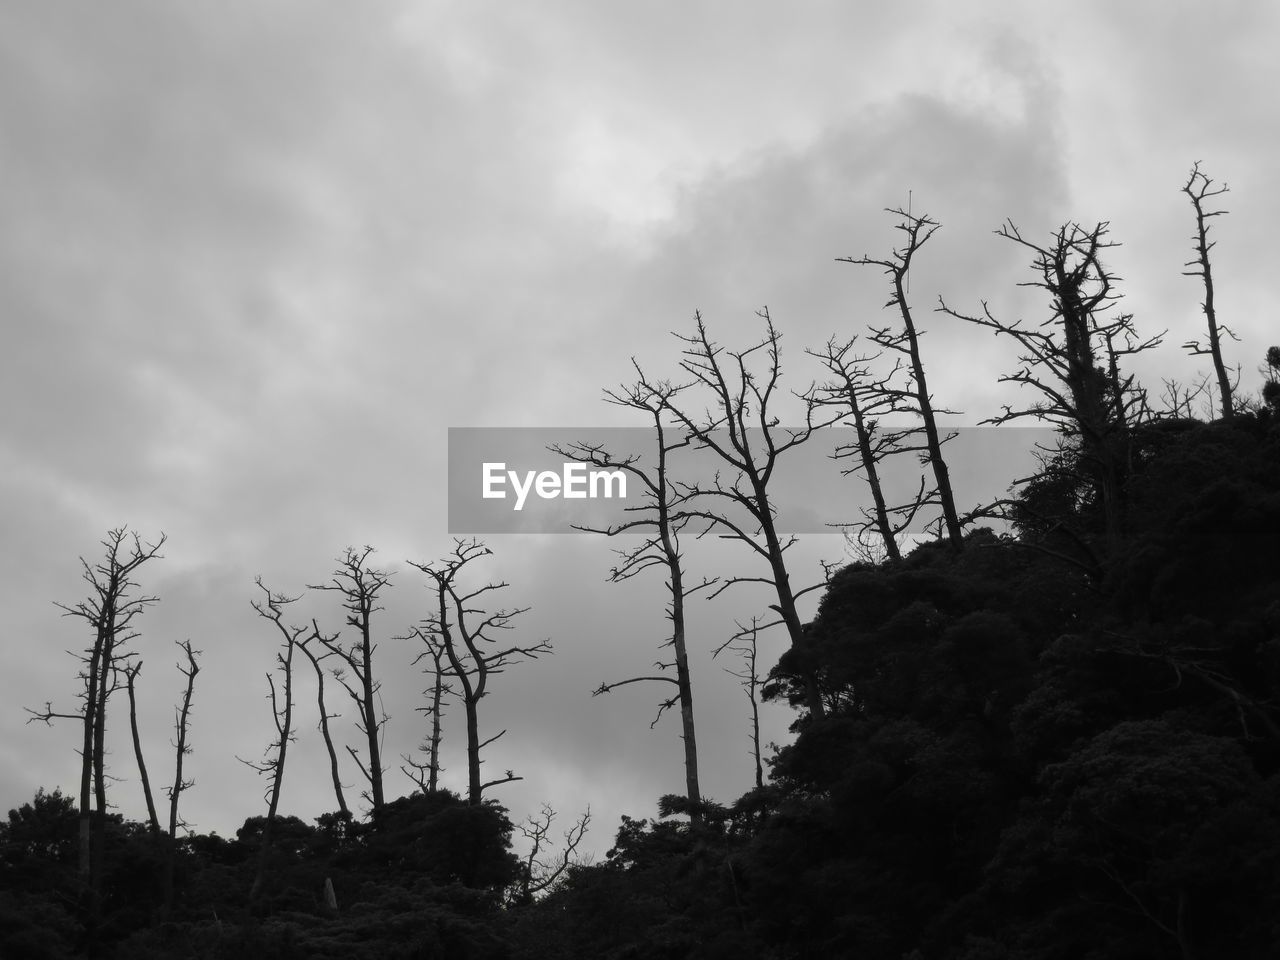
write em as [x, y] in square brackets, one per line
[474, 788]
[433, 778]
[153, 821]
[873, 479]
[277, 778]
[324, 732]
[933, 442]
[371, 717]
[786, 599]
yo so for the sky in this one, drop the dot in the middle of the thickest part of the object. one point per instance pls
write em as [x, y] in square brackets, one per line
[256, 260]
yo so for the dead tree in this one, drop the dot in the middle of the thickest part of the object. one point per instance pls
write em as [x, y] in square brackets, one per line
[538, 872]
[864, 399]
[1200, 189]
[304, 644]
[359, 585]
[1180, 400]
[906, 341]
[181, 718]
[660, 520]
[739, 427]
[131, 673]
[743, 643]
[427, 775]
[272, 607]
[465, 632]
[1072, 359]
[110, 610]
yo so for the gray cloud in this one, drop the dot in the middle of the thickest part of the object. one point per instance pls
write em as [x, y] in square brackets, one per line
[254, 262]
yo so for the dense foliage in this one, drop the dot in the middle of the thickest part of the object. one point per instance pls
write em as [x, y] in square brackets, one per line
[1019, 760]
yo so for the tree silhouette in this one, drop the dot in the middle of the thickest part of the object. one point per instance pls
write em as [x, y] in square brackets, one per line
[272, 607]
[110, 610]
[906, 341]
[304, 644]
[359, 585]
[427, 775]
[660, 520]
[1200, 189]
[466, 630]
[1073, 358]
[131, 672]
[867, 398]
[739, 427]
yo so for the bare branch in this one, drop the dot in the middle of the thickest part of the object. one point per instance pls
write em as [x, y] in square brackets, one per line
[464, 633]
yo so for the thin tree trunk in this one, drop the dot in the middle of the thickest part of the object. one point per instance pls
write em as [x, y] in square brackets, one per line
[932, 440]
[283, 726]
[873, 479]
[324, 730]
[153, 821]
[786, 599]
[182, 749]
[98, 843]
[684, 684]
[179, 784]
[1197, 193]
[433, 778]
[369, 707]
[87, 755]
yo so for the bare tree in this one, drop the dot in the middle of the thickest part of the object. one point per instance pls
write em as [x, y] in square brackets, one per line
[182, 716]
[538, 872]
[1180, 400]
[427, 775]
[906, 341]
[1200, 189]
[743, 643]
[1085, 395]
[131, 672]
[304, 644]
[359, 586]
[744, 434]
[272, 607]
[865, 398]
[659, 520]
[110, 610]
[465, 630]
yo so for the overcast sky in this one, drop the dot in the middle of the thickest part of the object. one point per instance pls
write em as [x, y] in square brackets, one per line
[257, 258]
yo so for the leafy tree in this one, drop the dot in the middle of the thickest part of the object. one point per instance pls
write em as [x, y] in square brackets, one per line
[1271, 388]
